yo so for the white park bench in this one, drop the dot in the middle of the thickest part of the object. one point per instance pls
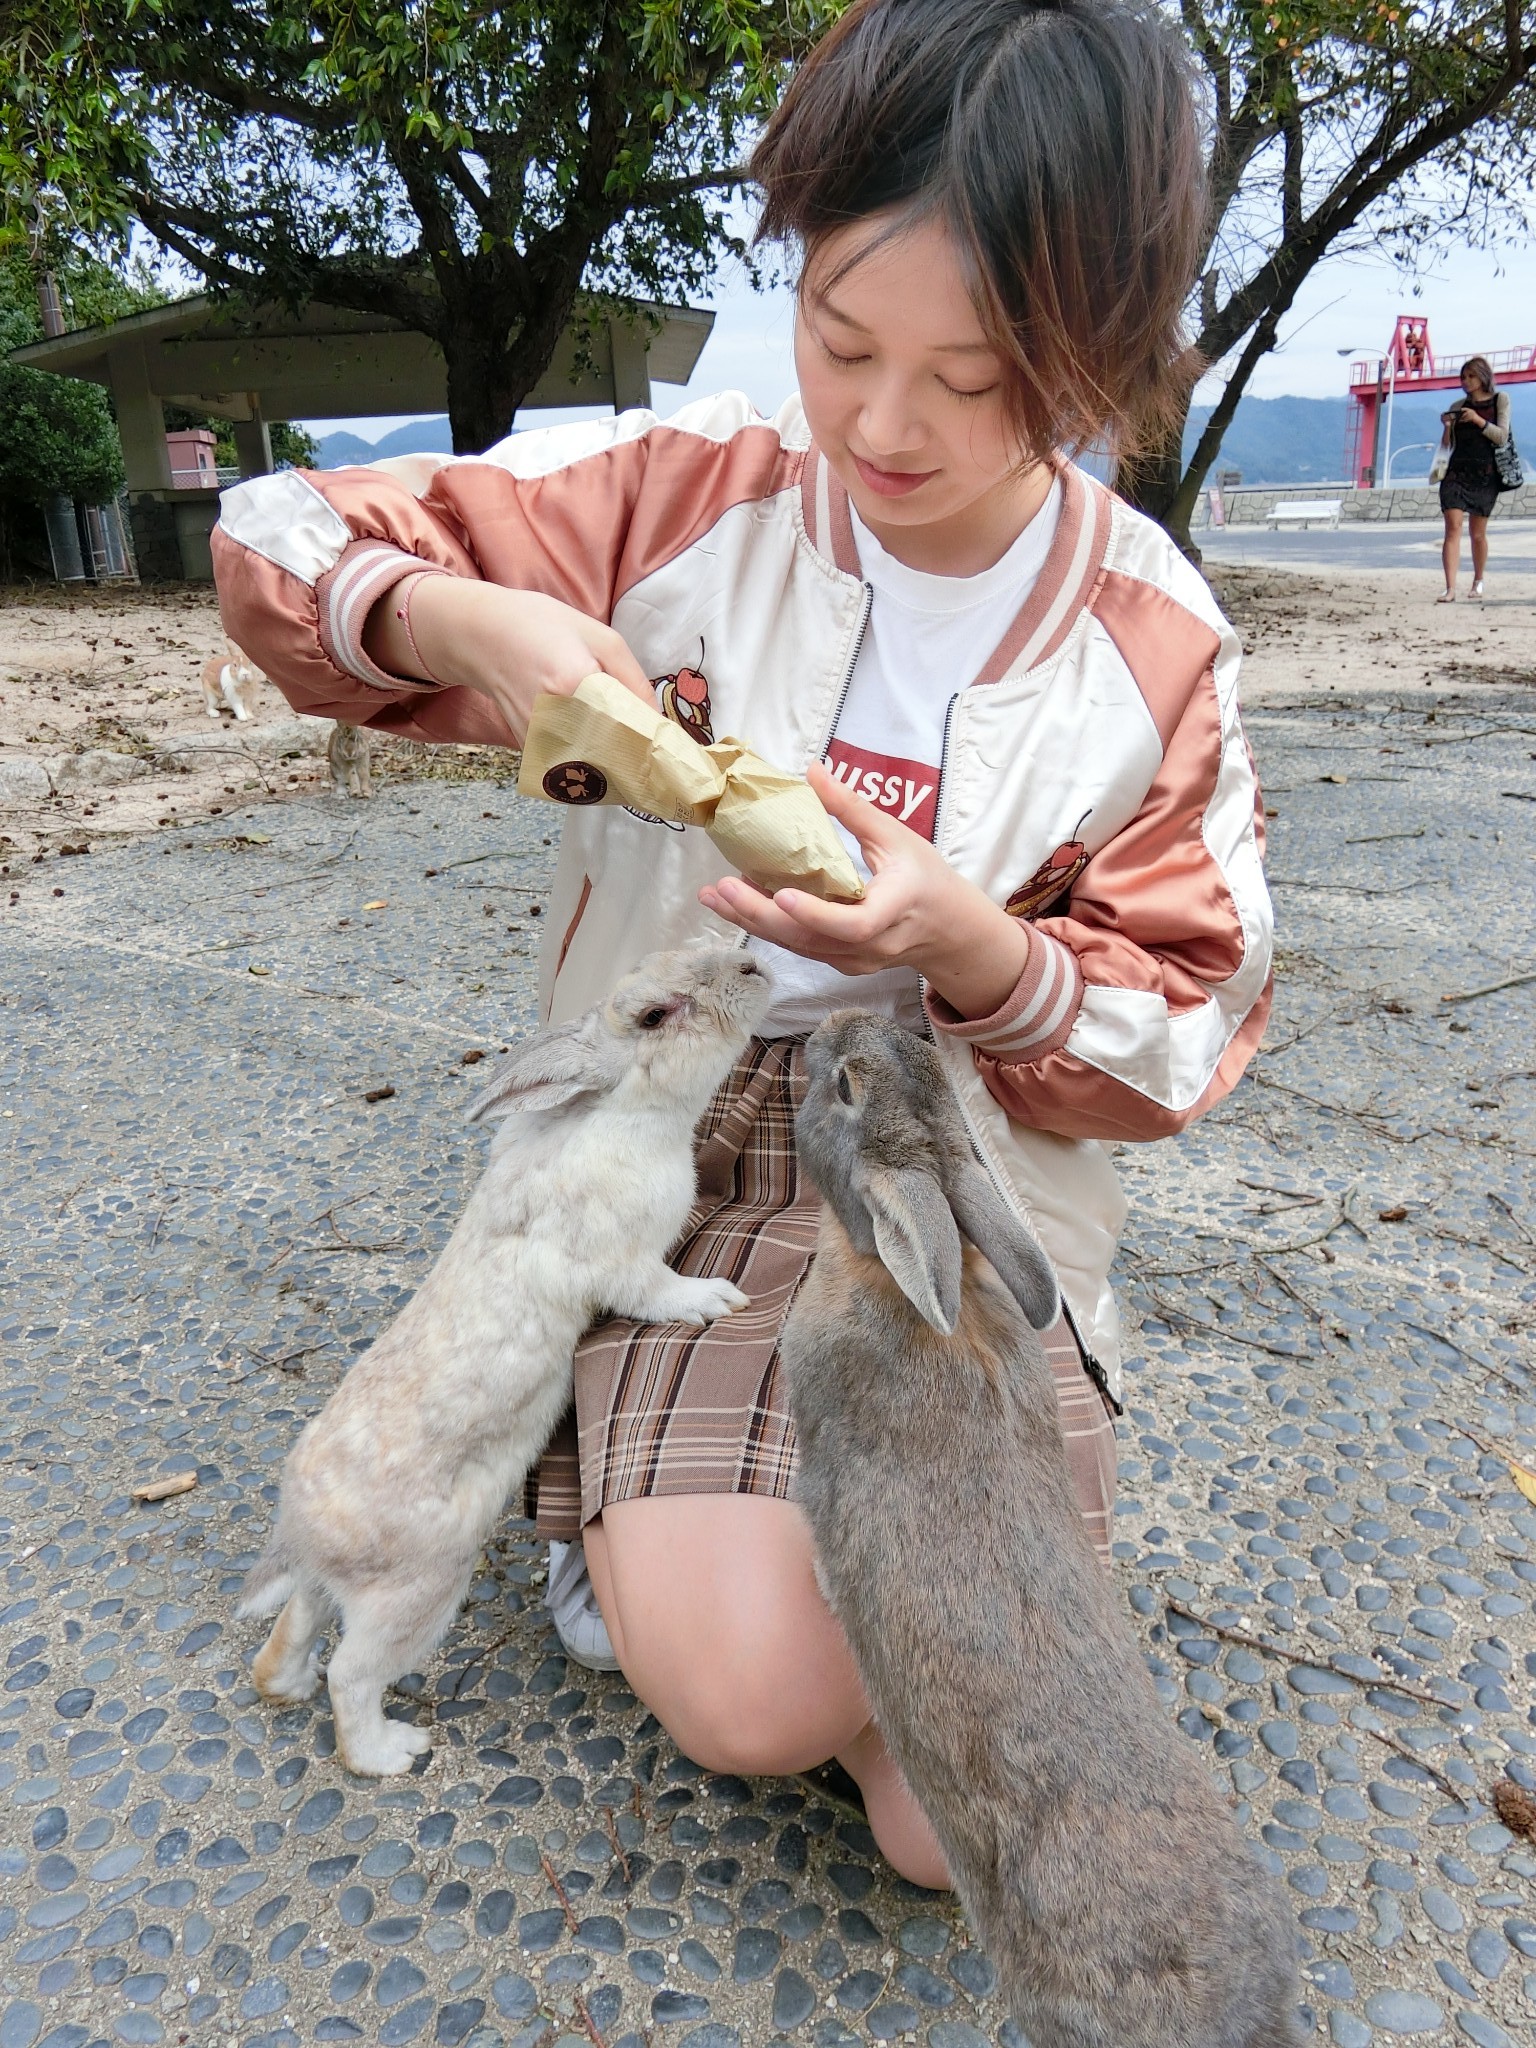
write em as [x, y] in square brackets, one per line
[1303, 511]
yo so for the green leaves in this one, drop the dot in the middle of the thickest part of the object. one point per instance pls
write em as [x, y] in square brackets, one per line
[464, 168]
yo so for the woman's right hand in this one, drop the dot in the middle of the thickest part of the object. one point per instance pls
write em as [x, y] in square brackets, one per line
[510, 645]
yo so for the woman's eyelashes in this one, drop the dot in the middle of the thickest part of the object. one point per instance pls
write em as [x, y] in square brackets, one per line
[851, 362]
[954, 390]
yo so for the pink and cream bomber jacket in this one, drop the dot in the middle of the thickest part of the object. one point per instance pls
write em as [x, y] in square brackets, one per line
[1095, 780]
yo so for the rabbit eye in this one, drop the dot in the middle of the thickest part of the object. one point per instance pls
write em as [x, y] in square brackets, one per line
[844, 1091]
[649, 1019]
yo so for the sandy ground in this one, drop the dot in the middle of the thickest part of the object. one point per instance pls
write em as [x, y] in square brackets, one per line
[103, 733]
[1360, 631]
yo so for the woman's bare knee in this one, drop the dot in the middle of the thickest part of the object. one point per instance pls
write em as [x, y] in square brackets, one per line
[749, 1723]
[724, 1632]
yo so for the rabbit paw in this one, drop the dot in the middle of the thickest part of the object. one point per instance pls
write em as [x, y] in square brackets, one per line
[697, 1301]
[385, 1751]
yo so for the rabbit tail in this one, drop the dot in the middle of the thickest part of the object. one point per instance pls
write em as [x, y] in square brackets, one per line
[269, 1582]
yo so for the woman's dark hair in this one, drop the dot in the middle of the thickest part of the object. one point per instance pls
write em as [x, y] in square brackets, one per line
[1058, 142]
[1480, 368]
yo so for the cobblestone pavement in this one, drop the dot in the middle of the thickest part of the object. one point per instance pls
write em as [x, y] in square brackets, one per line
[205, 1218]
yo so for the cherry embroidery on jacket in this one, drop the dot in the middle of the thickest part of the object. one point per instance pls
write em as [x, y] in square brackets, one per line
[1054, 876]
[685, 700]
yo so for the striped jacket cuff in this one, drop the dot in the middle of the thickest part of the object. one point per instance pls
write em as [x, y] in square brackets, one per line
[1036, 1019]
[347, 594]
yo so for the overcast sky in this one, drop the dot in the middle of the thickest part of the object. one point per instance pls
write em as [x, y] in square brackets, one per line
[1476, 301]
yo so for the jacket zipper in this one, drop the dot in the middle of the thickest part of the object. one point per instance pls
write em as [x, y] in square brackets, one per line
[1091, 1365]
[866, 605]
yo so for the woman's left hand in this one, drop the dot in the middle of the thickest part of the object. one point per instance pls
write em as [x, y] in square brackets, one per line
[916, 912]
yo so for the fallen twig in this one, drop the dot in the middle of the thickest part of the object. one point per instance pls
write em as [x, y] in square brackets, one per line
[1169, 1309]
[1471, 995]
[164, 1489]
[559, 1890]
[590, 2027]
[613, 1836]
[1256, 1639]
[1482, 1364]
[283, 1364]
[1499, 1202]
[473, 859]
[1264, 1187]
[1396, 1742]
[1377, 838]
[1342, 888]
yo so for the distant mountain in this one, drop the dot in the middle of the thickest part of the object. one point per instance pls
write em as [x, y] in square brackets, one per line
[1301, 440]
[420, 437]
[1271, 440]
[340, 451]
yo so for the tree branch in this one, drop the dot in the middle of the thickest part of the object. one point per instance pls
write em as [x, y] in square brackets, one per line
[678, 188]
[1350, 197]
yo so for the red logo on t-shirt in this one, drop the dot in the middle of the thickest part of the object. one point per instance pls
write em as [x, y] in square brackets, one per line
[907, 789]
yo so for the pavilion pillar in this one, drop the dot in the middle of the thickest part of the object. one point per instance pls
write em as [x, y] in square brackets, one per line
[630, 345]
[147, 462]
[253, 440]
[140, 419]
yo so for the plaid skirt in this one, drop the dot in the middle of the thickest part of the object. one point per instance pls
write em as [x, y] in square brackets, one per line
[664, 1408]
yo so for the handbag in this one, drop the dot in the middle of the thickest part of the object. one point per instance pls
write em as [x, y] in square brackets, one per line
[1506, 460]
[1442, 461]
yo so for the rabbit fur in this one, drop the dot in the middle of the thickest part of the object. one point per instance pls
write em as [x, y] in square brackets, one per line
[350, 755]
[392, 1489]
[1092, 1852]
[225, 678]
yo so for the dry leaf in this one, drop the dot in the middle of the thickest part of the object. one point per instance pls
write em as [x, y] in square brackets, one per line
[162, 1489]
[472, 1058]
[1526, 1481]
[381, 903]
[378, 1094]
[1514, 1806]
[1396, 1214]
[258, 970]
[1333, 778]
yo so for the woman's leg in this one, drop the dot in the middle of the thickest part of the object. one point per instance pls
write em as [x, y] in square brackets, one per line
[712, 1604]
[1450, 550]
[1478, 527]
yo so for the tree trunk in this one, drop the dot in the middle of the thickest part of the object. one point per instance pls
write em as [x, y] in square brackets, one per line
[487, 382]
[497, 346]
[1153, 483]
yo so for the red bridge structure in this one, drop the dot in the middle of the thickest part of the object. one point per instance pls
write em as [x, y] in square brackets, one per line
[1409, 365]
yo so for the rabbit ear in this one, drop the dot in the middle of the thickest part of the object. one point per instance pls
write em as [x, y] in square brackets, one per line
[916, 1238]
[548, 1071]
[1002, 1239]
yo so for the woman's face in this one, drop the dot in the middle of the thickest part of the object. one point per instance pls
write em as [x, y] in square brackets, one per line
[904, 395]
[1473, 385]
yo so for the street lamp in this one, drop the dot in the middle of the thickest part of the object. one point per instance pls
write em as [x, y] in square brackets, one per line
[1408, 448]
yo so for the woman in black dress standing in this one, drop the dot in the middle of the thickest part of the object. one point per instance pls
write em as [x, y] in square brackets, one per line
[1471, 482]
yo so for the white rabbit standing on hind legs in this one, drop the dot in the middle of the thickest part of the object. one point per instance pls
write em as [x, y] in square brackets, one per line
[1093, 1855]
[392, 1489]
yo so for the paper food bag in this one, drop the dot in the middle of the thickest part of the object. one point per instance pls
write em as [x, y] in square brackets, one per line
[605, 746]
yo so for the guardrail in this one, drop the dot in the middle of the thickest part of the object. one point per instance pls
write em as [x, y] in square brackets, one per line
[1252, 504]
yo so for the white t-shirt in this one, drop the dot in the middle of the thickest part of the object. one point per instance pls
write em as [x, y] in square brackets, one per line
[927, 637]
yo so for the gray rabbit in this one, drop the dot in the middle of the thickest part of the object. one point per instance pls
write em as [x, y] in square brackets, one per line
[1092, 1852]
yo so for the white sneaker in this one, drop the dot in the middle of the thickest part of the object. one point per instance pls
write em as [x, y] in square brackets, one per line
[578, 1619]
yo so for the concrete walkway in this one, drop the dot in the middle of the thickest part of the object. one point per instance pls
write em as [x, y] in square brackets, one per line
[1330, 1288]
